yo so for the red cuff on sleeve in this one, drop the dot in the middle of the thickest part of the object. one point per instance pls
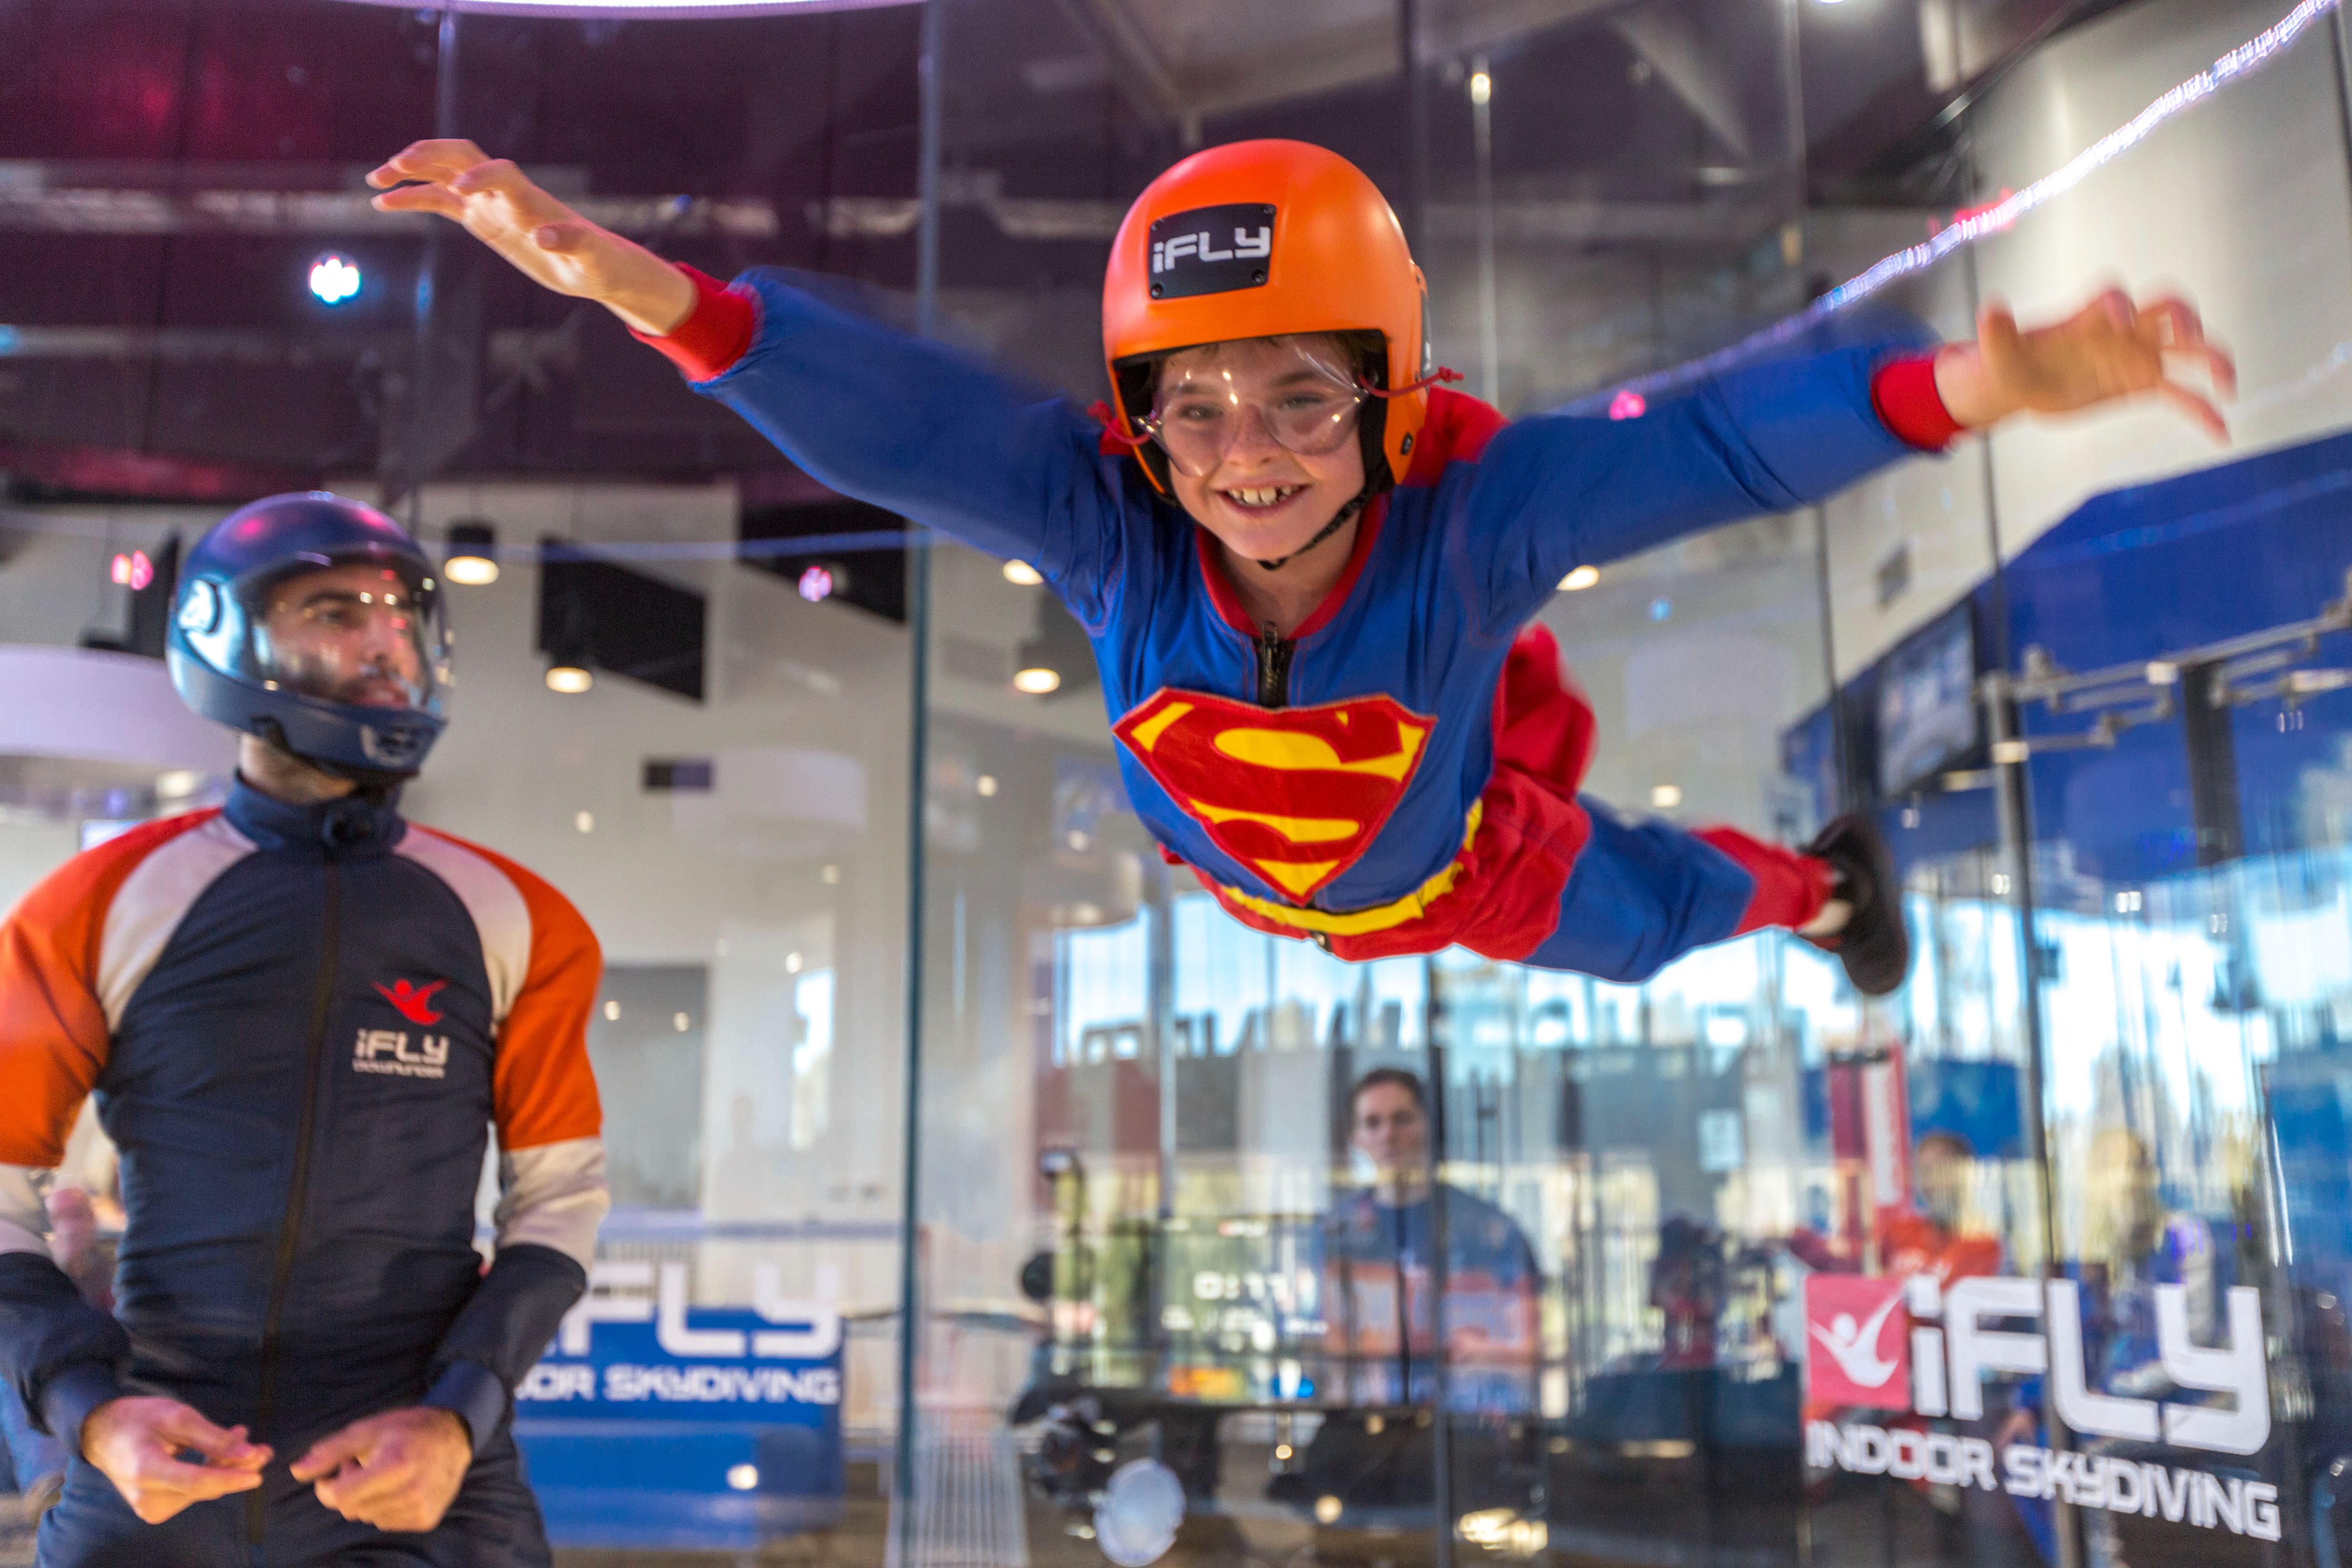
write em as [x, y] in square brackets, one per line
[709, 342]
[1904, 395]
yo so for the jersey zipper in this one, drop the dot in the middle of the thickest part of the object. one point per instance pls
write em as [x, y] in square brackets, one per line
[1274, 652]
[289, 1231]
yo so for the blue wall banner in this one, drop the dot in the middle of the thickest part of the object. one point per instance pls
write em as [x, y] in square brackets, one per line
[651, 1424]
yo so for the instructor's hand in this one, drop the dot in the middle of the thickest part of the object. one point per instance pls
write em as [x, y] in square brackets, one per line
[555, 246]
[2111, 349]
[136, 1442]
[399, 1470]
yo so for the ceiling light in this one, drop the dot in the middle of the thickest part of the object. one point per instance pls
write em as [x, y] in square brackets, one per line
[817, 584]
[334, 277]
[1583, 577]
[1037, 682]
[569, 679]
[472, 558]
[1021, 573]
[1482, 87]
[987, 786]
[1666, 798]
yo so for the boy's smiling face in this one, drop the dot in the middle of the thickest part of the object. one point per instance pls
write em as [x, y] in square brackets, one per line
[1263, 499]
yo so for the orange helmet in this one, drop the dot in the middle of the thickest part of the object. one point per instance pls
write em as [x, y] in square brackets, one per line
[1260, 239]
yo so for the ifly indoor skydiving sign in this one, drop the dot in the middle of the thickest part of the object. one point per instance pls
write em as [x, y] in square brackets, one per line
[1918, 1346]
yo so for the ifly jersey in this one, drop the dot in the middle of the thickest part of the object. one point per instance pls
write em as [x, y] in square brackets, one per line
[300, 1024]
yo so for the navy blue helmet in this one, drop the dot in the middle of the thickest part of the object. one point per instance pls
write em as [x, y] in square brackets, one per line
[315, 623]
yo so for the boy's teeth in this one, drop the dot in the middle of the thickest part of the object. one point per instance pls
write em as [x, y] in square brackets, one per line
[1265, 496]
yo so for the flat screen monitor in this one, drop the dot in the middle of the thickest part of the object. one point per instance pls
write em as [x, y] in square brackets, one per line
[1928, 714]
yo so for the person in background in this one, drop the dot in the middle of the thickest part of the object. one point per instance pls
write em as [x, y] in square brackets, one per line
[1383, 1291]
[300, 1016]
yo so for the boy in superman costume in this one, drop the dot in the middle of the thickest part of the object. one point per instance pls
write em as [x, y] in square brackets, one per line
[1307, 569]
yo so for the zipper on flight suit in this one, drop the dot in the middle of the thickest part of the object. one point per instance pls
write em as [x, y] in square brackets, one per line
[1274, 652]
[289, 1231]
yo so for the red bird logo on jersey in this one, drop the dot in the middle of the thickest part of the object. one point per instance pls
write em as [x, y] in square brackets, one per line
[1297, 795]
[414, 1002]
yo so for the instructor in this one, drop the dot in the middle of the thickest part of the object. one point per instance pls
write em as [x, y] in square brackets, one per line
[301, 1016]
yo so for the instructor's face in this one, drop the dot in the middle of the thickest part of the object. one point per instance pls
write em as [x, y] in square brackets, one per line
[347, 634]
[1392, 1130]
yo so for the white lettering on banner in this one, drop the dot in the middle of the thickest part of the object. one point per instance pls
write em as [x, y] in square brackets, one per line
[556, 1383]
[2207, 1501]
[666, 1309]
[1846, 1369]
[625, 1383]
[601, 1306]
[2237, 1368]
[386, 1051]
[2107, 1413]
[1974, 1349]
[823, 1316]
[1949, 1365]
[670, 1331]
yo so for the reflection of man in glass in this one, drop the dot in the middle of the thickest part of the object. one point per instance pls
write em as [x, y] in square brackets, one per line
[1386, 1285]
[1382, 1278]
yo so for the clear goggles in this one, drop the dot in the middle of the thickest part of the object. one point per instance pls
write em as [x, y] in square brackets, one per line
[362, 633]
[1281, 389]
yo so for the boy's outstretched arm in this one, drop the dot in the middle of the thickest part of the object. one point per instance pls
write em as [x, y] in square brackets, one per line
[892, 419]
[1554, 492]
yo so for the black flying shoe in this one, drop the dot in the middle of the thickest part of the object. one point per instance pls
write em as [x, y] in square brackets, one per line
[1874, 947]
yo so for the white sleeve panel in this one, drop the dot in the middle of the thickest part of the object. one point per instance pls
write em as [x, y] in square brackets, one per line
[553, 1195]
[24, 1217]
[501, 918]
[148, 907]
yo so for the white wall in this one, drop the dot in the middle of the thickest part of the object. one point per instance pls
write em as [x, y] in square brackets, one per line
[2243, 203]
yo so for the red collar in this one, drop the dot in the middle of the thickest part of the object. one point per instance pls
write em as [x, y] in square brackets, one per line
[1229, 603]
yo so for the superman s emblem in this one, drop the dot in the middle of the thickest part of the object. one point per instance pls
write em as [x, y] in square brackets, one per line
[1297, 795]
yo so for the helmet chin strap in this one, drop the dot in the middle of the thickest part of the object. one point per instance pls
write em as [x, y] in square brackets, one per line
[1339, 520]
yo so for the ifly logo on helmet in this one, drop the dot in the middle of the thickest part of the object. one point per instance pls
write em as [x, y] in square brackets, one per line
[1212, 251]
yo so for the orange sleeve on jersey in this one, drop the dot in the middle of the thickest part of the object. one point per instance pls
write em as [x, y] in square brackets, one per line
[53, 1030]
[542, 1088]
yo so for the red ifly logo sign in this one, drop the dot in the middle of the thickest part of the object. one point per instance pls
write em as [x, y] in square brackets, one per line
[1859, 1351]
[1923, 1347]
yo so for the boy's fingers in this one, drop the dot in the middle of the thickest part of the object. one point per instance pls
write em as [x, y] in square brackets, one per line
[436, 158]
[2172, 323]
[499, 174]
[419, 199]
[2196, 407]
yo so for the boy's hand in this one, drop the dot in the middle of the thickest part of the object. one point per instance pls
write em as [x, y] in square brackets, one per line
[2109, 350]
[498, 205]
[398, 1471]
[136, 1442]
